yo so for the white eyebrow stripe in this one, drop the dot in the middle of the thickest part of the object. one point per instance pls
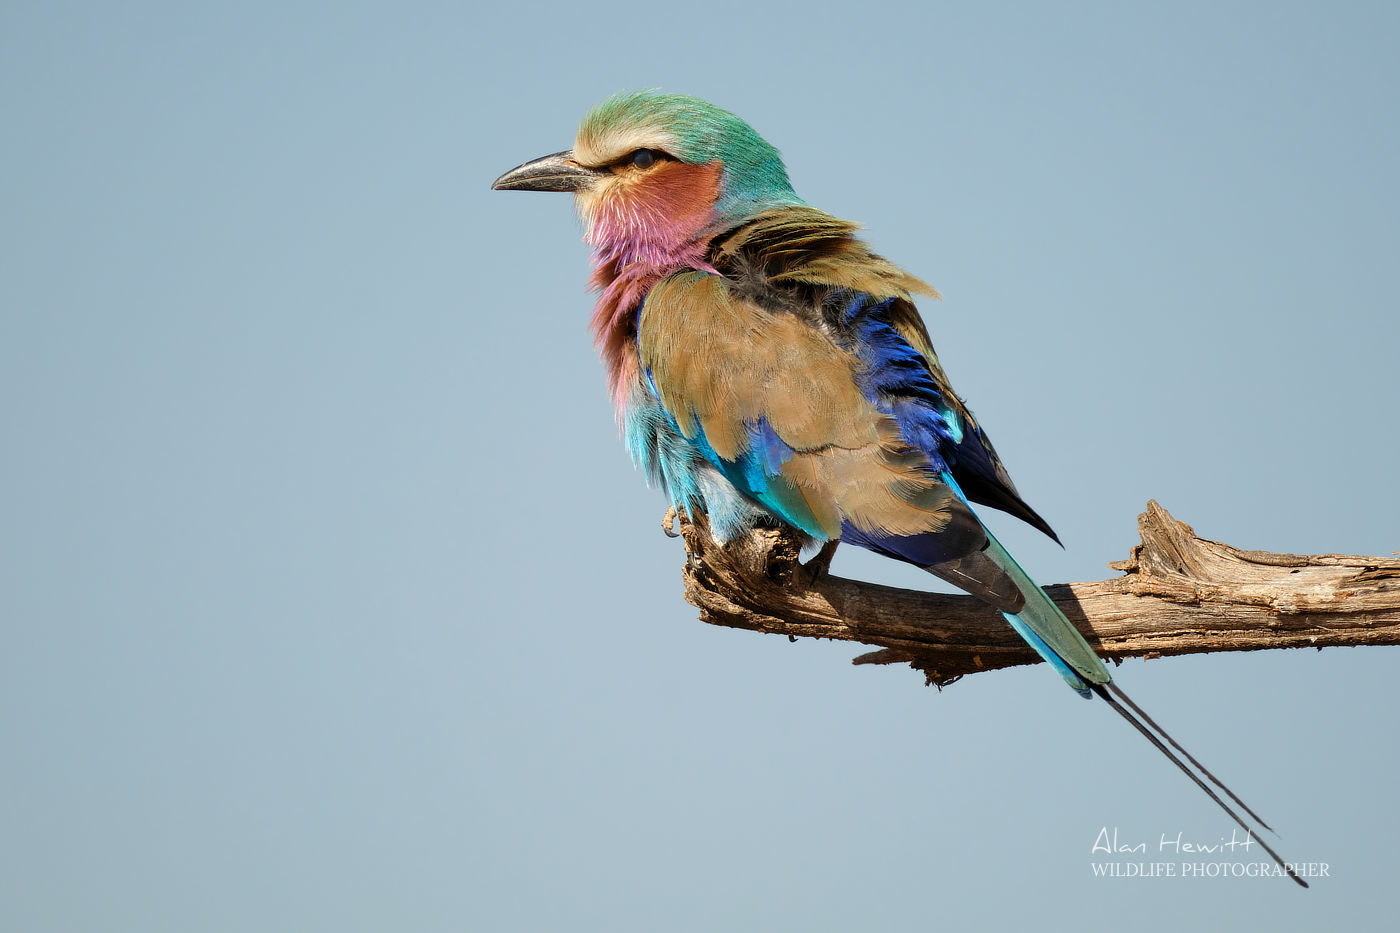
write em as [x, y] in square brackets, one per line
[617, 143]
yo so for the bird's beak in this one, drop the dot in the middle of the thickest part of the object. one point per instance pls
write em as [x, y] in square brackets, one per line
[557, 172]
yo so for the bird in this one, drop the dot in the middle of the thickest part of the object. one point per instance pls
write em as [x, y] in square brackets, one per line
[769, 369]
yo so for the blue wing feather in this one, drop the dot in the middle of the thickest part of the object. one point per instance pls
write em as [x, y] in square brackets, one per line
[899, 379]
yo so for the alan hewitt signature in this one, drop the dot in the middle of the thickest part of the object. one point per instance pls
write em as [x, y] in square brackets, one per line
[1109, 845]
[1179, 857]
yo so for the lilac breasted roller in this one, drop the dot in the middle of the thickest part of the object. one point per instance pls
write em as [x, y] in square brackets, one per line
[768, 367]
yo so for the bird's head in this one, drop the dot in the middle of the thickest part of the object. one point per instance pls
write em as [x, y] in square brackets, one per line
[654, 173]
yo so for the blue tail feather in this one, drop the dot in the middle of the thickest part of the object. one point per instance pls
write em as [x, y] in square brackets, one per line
[1041, 623]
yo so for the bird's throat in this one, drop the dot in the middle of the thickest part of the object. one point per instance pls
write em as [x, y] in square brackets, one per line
[641, 232]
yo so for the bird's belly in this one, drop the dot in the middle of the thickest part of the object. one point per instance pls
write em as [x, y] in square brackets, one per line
[678, 465]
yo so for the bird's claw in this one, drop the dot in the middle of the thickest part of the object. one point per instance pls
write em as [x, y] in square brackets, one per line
[817, 567]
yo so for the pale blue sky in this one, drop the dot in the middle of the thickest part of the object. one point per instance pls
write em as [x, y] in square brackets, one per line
[330, 600]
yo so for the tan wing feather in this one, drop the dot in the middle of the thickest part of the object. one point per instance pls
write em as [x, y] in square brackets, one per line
[720, 363]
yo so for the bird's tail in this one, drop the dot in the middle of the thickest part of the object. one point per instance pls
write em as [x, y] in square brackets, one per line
[1044, 627]
[1123, 705]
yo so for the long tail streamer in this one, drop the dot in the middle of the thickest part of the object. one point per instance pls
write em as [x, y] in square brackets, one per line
[1155, 734]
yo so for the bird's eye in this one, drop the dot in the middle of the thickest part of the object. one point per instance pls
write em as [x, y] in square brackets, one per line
[645, 158]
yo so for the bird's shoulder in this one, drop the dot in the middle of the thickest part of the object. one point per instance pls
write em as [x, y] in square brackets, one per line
[813, 265]
[807, 261]
[802, 248]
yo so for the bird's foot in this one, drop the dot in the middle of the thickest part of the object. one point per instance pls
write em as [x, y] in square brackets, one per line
[817, 567]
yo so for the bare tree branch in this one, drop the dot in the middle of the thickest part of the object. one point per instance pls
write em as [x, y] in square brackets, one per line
[1179, 594]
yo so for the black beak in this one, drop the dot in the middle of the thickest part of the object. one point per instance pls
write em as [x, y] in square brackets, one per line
[557, 172]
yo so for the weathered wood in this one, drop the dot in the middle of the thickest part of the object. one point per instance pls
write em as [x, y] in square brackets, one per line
[1179, 594]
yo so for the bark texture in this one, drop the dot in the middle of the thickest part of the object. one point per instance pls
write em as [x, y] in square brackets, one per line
[1178, 594]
